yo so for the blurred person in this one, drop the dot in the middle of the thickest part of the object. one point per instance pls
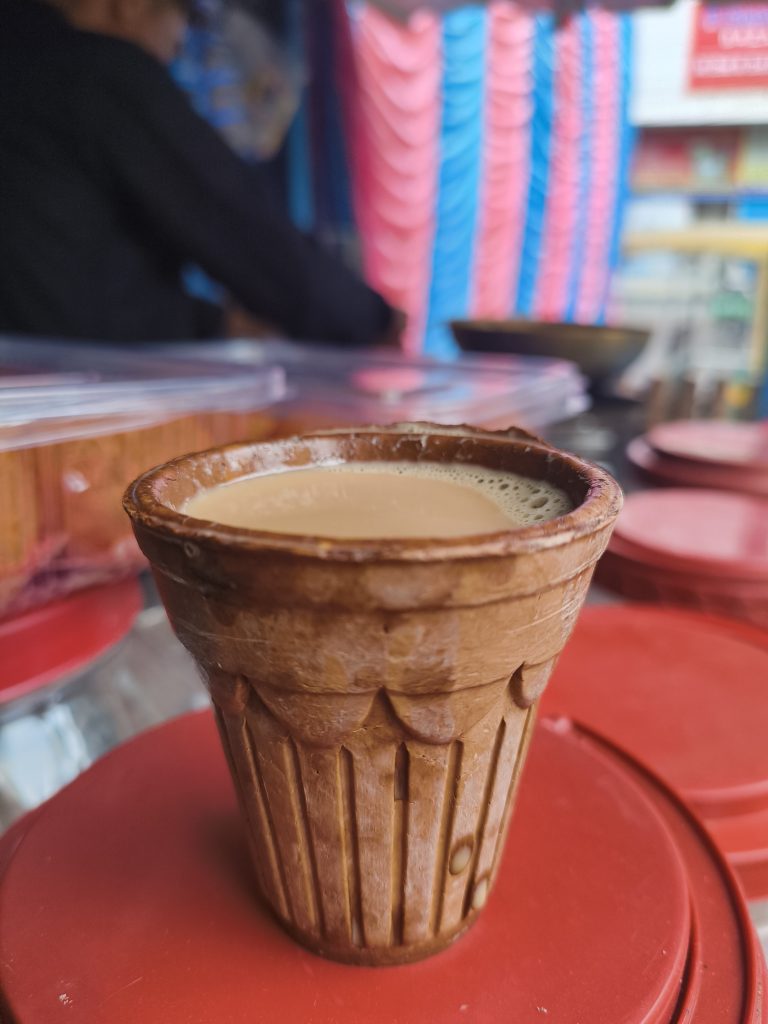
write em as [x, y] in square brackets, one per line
[110, 184]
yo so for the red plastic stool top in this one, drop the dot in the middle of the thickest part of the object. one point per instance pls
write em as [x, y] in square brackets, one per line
[688, 695]
[610, 906]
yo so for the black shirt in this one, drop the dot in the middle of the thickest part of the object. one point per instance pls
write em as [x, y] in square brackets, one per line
[110, 183]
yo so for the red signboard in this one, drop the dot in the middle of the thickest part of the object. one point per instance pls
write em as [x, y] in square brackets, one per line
[729, 47]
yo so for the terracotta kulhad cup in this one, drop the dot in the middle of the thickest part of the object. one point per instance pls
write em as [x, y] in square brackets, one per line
[375, 698]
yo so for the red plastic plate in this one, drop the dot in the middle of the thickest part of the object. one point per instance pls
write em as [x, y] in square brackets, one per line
[725, 978]
[713, 442]
[678, 472]
[688, 695]
[706, 532]
[150, 914]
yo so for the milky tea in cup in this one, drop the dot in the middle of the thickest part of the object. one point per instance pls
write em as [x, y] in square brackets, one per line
[369, 500]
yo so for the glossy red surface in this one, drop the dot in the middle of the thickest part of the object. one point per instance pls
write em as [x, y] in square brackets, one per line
[684, 696]
[59, 639]
[699, 531]
[740, 600]
[150, 913]
[688, 695]
[725, 979]
[744, 837]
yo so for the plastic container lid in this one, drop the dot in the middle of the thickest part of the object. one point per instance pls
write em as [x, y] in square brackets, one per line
[367, 386]
[54, 391]
[149, 841]
[60, 639]
[703, 532]
[686, 694]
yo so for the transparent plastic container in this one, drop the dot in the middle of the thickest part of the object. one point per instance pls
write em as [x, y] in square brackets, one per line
[77, 424]
[330, 387]
[59, 380]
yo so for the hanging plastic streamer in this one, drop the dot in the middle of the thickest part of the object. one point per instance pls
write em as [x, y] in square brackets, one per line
[490, 153]
[584, 161]
[539, 165]
[605, 191]
[506, 157]
[458, 188]
[347, 78]
[626, 143]
[399, 82]
[559, 236]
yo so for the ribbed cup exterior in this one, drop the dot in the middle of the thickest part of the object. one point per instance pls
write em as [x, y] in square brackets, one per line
[375, 705]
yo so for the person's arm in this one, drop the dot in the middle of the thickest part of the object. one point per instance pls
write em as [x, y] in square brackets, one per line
[217, 211]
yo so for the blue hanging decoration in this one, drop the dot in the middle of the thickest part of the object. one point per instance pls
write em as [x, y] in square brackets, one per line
[626, 141]
[461, 131]
[541, 144]
[585, 159]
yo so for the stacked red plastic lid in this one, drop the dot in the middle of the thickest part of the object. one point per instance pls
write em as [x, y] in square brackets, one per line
[703, 453]
[704, 549]
[688, 695]
[612, 905]
[55, 642]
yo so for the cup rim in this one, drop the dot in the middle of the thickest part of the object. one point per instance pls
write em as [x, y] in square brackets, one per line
[598, 508]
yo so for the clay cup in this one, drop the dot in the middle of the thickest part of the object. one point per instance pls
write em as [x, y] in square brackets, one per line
[375, 698]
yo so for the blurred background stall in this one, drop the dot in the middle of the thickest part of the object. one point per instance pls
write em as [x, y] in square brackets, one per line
[283, 216]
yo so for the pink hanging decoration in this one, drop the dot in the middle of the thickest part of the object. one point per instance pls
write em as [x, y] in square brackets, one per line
[562, 210]
[346, 76]
[604, 177]
[399, 73]
[506, 160]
